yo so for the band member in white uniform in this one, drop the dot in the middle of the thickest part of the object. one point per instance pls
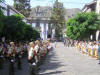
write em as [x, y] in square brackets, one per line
[31, 59]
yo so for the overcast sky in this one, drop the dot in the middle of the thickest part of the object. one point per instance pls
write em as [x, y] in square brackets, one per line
[67, 3]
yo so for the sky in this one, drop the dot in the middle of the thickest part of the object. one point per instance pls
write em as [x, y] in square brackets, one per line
[67, 3]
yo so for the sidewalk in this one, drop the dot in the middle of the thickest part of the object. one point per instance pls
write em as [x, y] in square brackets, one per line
[69, 61]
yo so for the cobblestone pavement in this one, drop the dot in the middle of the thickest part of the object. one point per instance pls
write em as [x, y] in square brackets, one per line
[69, 61]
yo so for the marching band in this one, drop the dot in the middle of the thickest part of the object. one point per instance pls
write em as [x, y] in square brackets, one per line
[14, 52]
[91, 48]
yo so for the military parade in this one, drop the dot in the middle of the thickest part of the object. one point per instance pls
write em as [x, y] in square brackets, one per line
[49, 37]
[14, 52]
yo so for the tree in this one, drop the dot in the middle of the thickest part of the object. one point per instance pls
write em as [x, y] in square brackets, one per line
[1, 23]
[16, 30]
[57, 17]
[31, 33]
[13, 27]
[1, 6]
[23, 6]
[2, 0]
[83, 25]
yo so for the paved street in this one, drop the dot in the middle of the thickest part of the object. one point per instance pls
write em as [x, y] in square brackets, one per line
[69, 61]
[24, 71]
[62, 61]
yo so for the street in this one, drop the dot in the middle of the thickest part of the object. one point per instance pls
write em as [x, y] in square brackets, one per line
[23, 71]
[69, 61]
[61, 61]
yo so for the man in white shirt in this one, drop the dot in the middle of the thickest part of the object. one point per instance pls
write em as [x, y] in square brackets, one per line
[31, 59]
[36, 48]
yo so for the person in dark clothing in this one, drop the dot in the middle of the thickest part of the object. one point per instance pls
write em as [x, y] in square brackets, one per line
[11, 54]
[18, 56]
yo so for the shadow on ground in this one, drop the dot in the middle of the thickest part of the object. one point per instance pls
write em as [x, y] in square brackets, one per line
[50, 65]
[23, 71]
[50, 73]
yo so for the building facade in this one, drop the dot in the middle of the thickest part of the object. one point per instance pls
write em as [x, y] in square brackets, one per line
[40, 19]
[90, 7]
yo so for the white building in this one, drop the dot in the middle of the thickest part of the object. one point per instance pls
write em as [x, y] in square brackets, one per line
[98, 7]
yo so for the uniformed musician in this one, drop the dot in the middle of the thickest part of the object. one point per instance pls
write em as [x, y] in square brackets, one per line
[31, 59]
[11, 54]
[18, 56]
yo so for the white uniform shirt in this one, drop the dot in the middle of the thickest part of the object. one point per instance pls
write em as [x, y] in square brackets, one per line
[30, 53]
[49, 47]
[96, 46]
[91, 47]
[36, 48]
[9, 49]
[18, 49]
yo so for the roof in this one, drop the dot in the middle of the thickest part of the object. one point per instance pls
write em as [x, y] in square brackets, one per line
[89, 4]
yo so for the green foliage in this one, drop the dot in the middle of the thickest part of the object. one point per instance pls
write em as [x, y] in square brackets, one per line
[58, 18]
[1, 23]
[13, 28]
[31, 33]
[83, 25]
[19, 15]
[2, 0]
